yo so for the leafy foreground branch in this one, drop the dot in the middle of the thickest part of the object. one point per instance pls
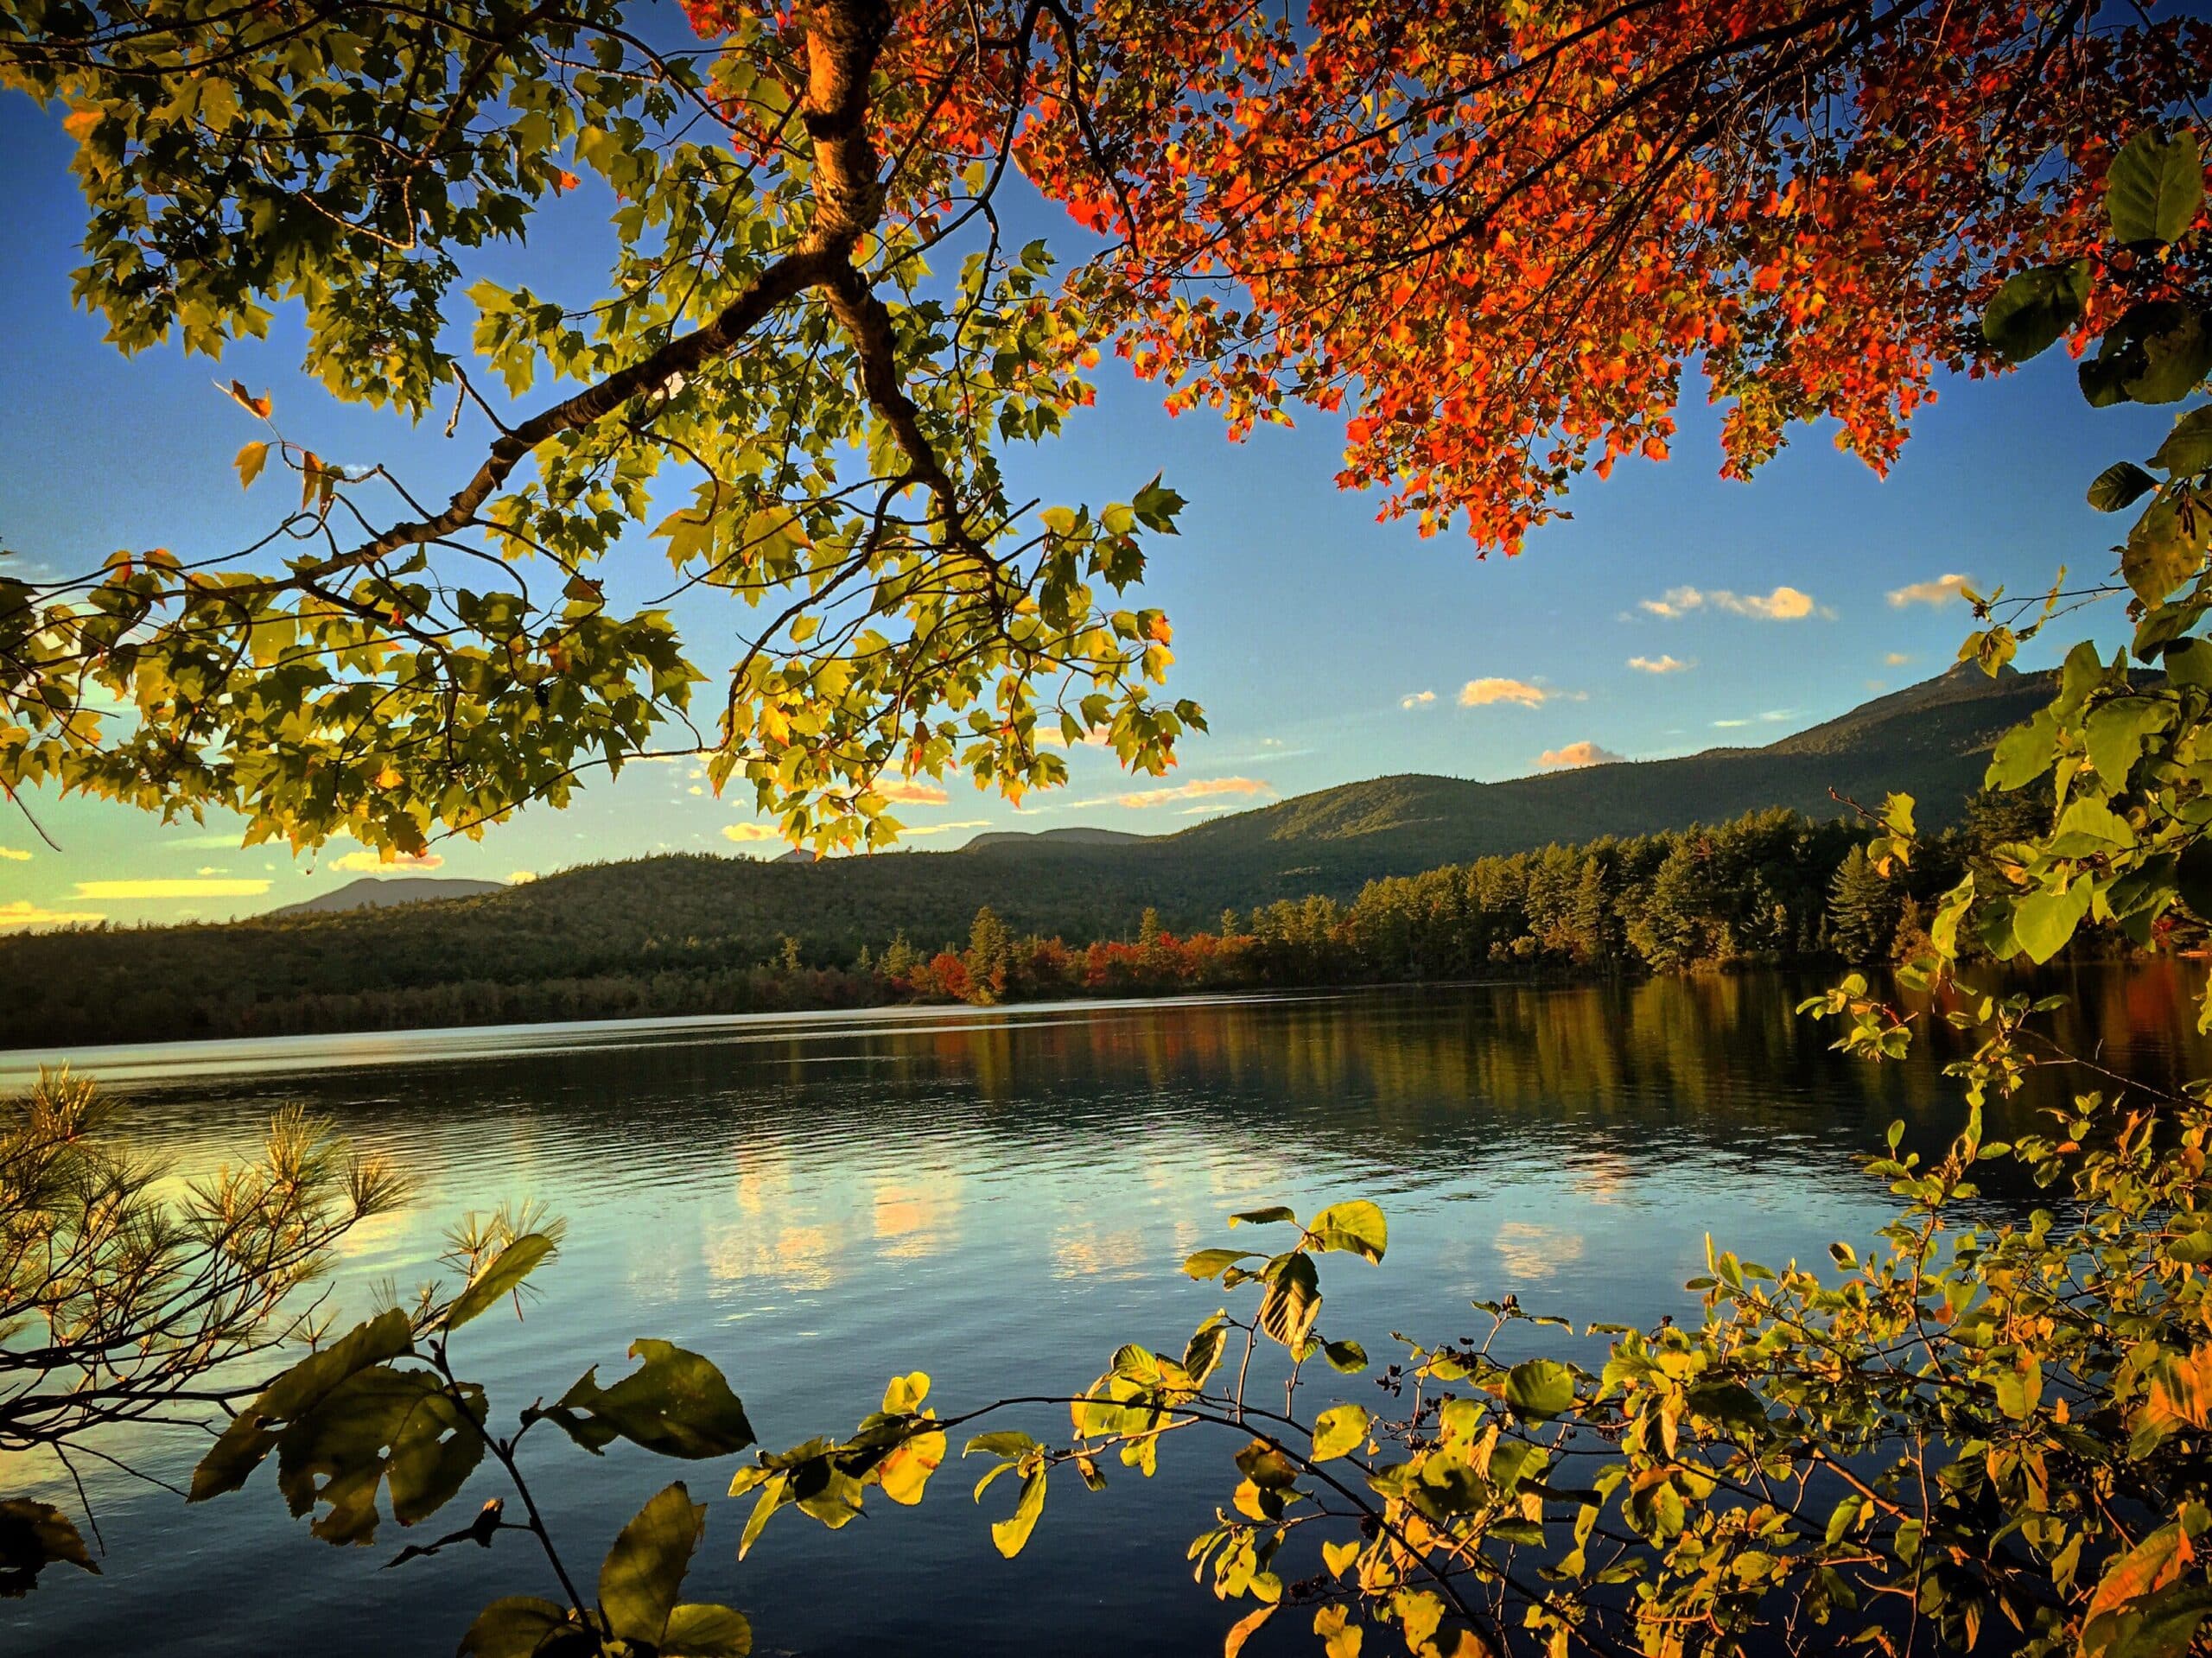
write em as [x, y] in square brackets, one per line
[122, 1304]
[1980, 1427]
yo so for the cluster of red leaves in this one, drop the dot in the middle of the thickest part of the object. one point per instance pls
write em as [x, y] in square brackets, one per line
[1496, 237]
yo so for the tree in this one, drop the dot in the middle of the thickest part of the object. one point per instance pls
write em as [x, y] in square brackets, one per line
[1863, 909]
[813, 344]
[120, 1303]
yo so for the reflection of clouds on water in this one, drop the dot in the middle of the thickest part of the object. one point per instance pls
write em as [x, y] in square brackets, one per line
[1604, 1178]
[794, 1257]
[914, 1222]
[1528, 1251]
[1093, 1253]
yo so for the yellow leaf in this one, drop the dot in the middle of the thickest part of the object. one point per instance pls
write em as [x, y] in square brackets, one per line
[252, 459]
[1340, 1638]
[907, 1470]
[1338, 1556]
[1244, 1630]
[310, 471]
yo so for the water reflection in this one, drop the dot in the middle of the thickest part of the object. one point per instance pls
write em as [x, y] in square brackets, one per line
[999, 1199]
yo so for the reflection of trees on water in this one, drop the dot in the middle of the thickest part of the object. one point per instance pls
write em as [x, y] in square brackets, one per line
[1611, 1081]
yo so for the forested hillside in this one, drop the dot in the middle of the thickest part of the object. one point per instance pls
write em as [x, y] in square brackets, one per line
[700, 933]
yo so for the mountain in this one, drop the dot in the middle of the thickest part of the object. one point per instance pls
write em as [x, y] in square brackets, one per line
[1011, 840]
[578, 937]
[380, 892]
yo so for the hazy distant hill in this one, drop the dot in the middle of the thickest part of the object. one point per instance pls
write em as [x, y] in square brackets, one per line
[379, 891]
[688, 914]
[1050, 839]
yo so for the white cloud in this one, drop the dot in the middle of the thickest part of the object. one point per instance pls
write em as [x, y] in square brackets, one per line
[190, 888]
[945, 829]
[745, 834]
[906, 793]
[1052, 737]
[1481, 693]
[1658, 665]
[1418, 700]
[14, 854]
[1940, 591]
[375, 863]
[1897, 658]
[1198, 790]
[695, 789]
[1784, 604]
[24, 913]
[1729, 725]
[1578, 754]
[521, 877]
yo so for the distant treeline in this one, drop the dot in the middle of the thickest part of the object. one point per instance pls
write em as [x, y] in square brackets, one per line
[1771, 886]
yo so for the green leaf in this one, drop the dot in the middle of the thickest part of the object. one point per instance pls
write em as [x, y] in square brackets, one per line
[2187, 448]
[2024, 754]
[1356, 1228]
[676, 1403]
[643, 1573]
[2119, 484]
[1211, 1263]
[1266, 1467]
[2045, 920]
[1339, 1432]
[33, 1536]
[1008, 1442]
[2034, 307]
[522, 1626]
[1540, 1389]
[2114, 734]
[252, 1435]
[1264, 1217]
[501, 1275]
[2193, 878]
[1010, 1534]
[2166, 545]
[1293, 1299]
[1350, 1357]
[700, 1630]
[2155, 187]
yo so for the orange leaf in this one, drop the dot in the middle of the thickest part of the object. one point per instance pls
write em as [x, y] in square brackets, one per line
[261, 405]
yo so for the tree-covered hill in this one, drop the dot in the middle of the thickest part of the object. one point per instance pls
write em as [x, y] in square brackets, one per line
[701, 915]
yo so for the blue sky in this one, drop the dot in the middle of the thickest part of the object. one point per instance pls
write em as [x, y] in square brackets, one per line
[1325, 646]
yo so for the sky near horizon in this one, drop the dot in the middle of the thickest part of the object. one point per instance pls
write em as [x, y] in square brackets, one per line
[1673, 612]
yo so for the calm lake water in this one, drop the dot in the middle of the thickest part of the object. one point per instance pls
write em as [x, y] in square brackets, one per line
[999, 1198]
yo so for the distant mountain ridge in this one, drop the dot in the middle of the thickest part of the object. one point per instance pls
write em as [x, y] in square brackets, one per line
[377, 891]
[691, 914]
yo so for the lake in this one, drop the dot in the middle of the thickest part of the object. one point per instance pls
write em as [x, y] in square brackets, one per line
[1000, 1197]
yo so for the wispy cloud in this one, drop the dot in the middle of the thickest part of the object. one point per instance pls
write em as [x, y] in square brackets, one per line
[1053, 737]
[747, 834]
[1729, 725]
[945, 829]
[14, 854]
[24, 913]
[1658, 665]
[1199, 789]
[1784, 604]
[521, 877]
[1897, 658]
[193, 887]
[375, 863]
[908, 793]
[1418, 700]
[1940, 591]
[1482, 693]
[1577, 754]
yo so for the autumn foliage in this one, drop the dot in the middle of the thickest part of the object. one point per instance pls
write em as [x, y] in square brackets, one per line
[1497, 237]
